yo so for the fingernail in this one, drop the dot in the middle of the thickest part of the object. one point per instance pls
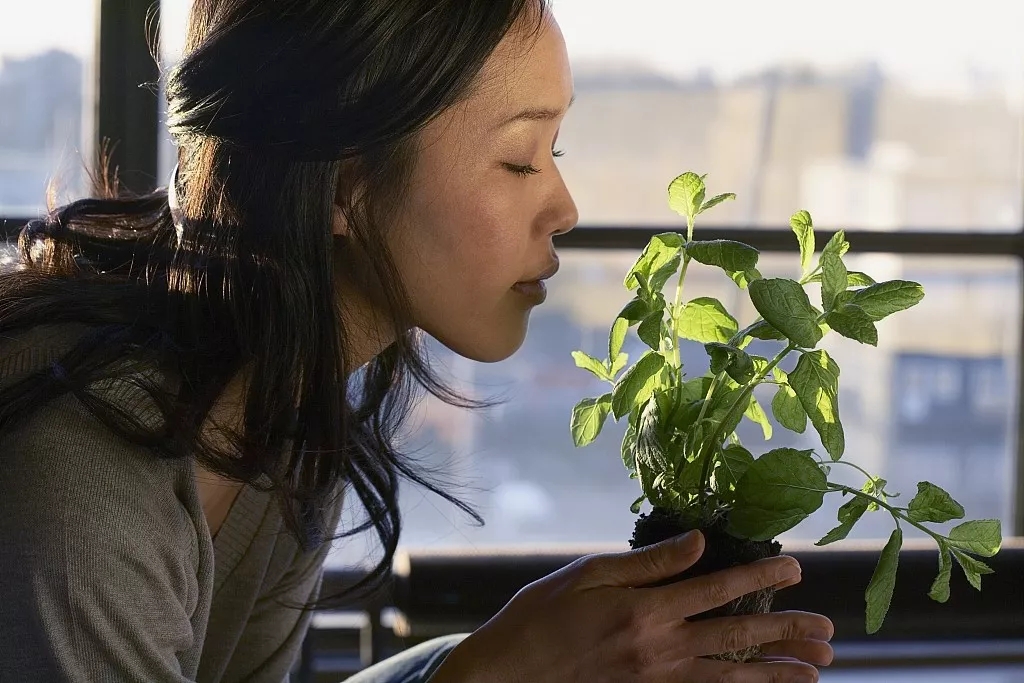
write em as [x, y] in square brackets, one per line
[788, 570]
[688, 537]
[819, 634]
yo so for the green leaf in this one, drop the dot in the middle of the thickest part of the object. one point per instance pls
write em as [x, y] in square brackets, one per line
[857, 279]
[659, 254]
[816, 383]
[853, 279]
[874, 486]
[885, 298]
[778, 491]
[705, 320]
[635, 311]
[629, 450]
[694, 389]
[833, 271]
[637, 385]
[686, 194]
[763, 330]
[973, 569]
[617, 336]
[756, 414]
[591, 364]
[732, 465]
[932, 504]
[787, 407]
[940, 587]
[588, 418]
[650, 439]
[731, 360]
[883, 582]
[649, 330]
[620, 362]
[853, 323]
[721, 412]
[728, 255]
[784, 304]
[981, 537]
[660, 276]
[635, 507]
[803, 227]
[743, 278]
[715, 201]
[849, 514]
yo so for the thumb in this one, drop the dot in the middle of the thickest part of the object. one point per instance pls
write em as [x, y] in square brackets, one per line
[647, 565]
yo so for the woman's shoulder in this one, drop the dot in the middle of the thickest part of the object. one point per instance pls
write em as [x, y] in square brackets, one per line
[61, 461]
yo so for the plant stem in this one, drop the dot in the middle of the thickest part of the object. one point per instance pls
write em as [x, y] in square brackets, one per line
[895, 511]
[707, 397]
[851, 464]
[744, 398]
[807, 278]
[672, 313]
[679, 292]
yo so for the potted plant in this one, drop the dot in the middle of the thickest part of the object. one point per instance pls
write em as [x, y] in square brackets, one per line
[681, 442]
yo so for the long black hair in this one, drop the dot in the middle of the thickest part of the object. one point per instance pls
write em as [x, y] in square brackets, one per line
[279, 110]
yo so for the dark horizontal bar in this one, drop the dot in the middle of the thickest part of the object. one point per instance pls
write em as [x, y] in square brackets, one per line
[930, 242]
[438, 592]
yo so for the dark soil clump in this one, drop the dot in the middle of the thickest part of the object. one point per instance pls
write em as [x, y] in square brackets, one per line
[721, 551]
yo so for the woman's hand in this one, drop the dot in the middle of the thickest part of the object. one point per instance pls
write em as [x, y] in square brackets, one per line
[592, 622]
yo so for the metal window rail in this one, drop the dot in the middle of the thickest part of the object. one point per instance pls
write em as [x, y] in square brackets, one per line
[434, 593]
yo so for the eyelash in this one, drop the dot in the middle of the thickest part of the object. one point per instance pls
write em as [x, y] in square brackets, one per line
[530, 169]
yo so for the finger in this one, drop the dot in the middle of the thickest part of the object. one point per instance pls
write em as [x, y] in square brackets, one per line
[789, 582]
[643, 566]
[815, 652]
[711, 670]
[766, 660]
[729, 634]
[699, 594]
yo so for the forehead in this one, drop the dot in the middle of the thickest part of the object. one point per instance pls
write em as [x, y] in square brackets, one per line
[527, 69]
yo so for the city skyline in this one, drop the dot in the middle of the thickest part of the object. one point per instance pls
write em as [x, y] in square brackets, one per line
[949, 51]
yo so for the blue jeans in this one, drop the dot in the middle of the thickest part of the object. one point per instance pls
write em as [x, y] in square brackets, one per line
[415, 665]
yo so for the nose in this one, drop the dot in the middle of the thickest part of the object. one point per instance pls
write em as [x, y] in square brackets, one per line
[564, 213]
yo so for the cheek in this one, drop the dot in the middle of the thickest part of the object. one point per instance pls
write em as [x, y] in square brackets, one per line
[470, 253]
[459, 267]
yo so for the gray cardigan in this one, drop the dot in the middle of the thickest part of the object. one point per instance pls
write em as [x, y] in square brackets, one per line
[107, 568]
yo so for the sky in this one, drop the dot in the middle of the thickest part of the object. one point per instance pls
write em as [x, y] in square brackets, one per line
[918, 40]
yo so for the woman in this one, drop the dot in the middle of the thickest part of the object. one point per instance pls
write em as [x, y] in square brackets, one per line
[191, 378]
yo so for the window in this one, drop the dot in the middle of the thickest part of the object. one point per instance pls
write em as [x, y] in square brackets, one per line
[926, 404]
[796, 104]
[173, 22]
[46, 67]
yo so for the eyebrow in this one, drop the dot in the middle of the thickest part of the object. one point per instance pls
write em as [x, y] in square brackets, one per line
[538, 114]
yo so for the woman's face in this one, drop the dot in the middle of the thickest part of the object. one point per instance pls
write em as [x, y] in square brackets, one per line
[485, 200]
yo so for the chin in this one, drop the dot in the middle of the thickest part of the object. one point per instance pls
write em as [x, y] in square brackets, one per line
[496, 343]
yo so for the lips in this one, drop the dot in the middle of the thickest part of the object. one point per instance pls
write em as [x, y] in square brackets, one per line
[545, 274]
[534, 288]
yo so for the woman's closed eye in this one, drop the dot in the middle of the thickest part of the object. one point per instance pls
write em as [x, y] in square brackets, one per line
[530, 169]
